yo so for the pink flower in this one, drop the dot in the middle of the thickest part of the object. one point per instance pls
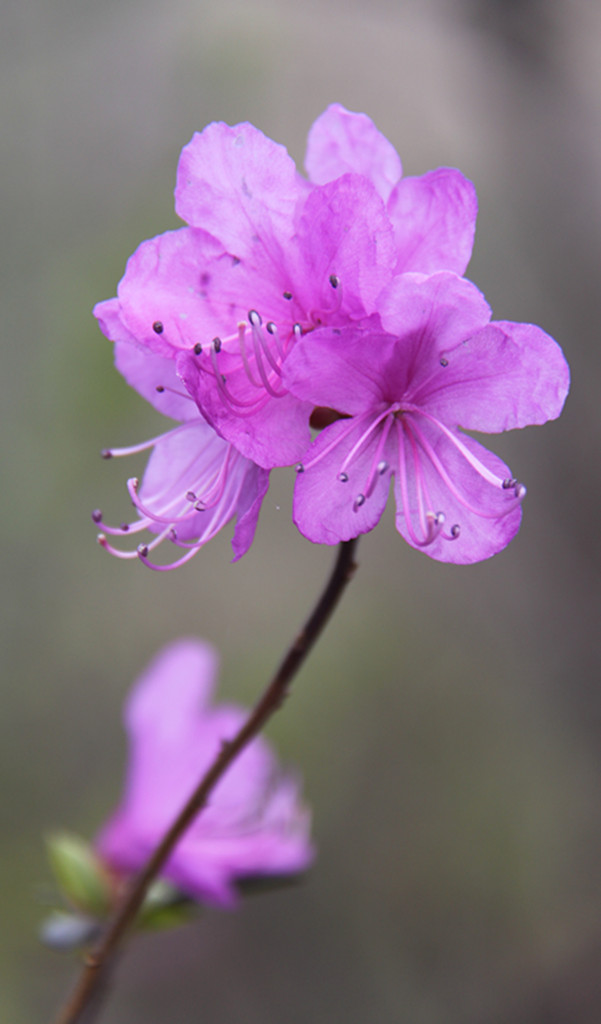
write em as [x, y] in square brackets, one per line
[254, 824]
[405, 385]
[269, 257]
[195, 482]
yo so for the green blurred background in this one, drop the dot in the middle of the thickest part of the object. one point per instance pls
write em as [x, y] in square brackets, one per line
[448, 727]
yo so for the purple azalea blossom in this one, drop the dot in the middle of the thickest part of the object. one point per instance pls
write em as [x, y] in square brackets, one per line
[195, 482]
[404, 385]
[254, 824]
[269, 258]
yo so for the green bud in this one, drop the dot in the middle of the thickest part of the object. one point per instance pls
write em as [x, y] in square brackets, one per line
[165, 907]
[80, 873]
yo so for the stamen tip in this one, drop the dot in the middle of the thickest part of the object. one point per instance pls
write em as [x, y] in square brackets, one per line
[97, 515]
[106, 453]
[299, 468]
[520, 491]
[158, 327]
[334, 280]
[359, 501]
[160, 388]
[444, 361]
[455, 531]
[197, 349]
[343, 477]
[142, 550]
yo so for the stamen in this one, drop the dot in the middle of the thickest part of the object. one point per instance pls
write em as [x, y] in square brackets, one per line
[334, 280]
[288, 296]
[427, 447]
[158, 327]
[343, 477]
[197, 349]
[160, 388]
[97, 516]
[444, 361]
[358, 502]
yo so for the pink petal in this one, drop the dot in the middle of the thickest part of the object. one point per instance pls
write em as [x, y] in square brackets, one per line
[343, 230]
[505, 376]
[323, 508]
[275, 435]
[480, 537]
[239, 186]
[434, 218]
[341, 141]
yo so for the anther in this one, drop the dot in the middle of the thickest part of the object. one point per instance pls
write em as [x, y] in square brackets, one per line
[197, 349]
[254, 318]
[271, 328]
[97, 515]
[142, 550]
[288, 295]
[343, 477]
[359, 501]
[444, 361]
[509, 483]
[299, 468]
[124, 527]
[106, 453]
[217, 344]
[334, 280]
[382, 467]
[297, 330]
[190, 496]
[520, 491]
[455, 531]
[160, 388]
[158, 327]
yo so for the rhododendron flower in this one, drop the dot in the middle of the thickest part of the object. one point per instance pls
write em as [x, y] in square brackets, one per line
[403, 386]
[195, 482]
[270, 257]
[254, 825]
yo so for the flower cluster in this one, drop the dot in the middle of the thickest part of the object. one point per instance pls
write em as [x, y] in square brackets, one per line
[335, 301]
[255, 824]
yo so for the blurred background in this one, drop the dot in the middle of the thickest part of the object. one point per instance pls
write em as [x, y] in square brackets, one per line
[448, 727]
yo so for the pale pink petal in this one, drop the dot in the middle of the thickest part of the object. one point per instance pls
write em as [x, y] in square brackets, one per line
[505, 376]
[341, 141]
[434, 219]
[325, 508]
[239, 186]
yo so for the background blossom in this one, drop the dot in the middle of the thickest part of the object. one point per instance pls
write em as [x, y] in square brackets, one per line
[255, 823]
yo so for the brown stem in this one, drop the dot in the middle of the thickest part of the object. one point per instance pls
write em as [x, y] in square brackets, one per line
[99, 958]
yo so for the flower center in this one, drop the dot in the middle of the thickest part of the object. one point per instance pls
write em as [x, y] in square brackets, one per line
[247, 364]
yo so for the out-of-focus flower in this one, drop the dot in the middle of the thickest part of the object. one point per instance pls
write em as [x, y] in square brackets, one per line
[403, 388]
[255, 823]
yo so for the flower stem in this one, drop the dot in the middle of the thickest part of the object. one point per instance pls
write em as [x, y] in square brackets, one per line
[99, 959]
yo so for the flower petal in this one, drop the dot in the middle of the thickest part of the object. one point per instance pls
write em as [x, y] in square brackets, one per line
[198, 460]
[481, 535]
[434, 219]
[146, 372]
[341, 141]
[430, 316]
[324, 507]
[505, 376]
[240, 186]
[274, 435]
[343, 230]
[340, 368]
